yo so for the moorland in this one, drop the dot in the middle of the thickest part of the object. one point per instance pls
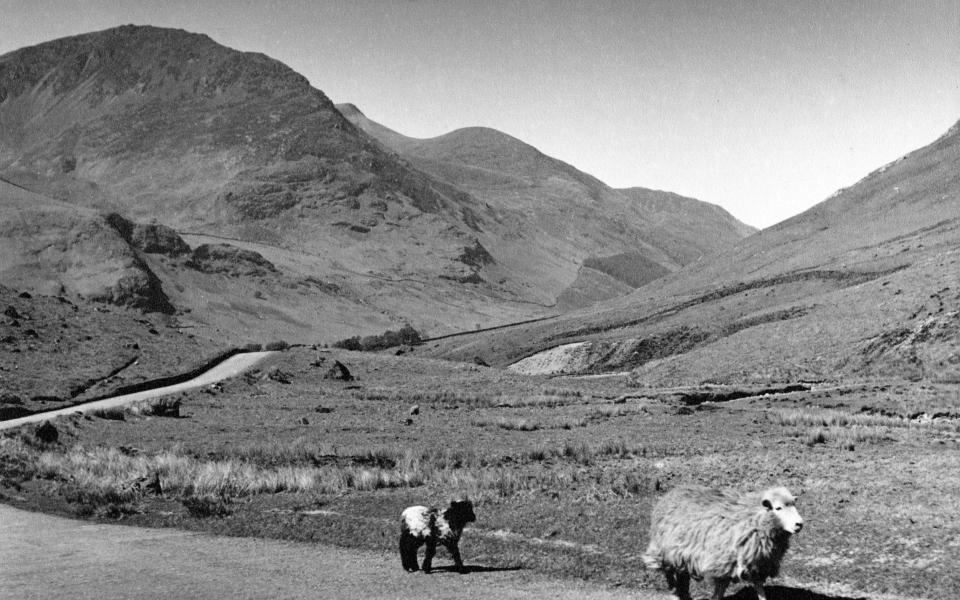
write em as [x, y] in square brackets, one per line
[563, 470]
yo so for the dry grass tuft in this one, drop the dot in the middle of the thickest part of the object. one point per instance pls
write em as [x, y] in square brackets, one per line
[530, 424]
[824, 417]
[846, 437]
[109, 477]
[826, 426]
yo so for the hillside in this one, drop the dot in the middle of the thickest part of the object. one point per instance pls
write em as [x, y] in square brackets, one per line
[168, 128]
[573, 216]
[55, 248]
[865, 284]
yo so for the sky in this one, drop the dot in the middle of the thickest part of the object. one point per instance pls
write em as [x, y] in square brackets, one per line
[764, 108]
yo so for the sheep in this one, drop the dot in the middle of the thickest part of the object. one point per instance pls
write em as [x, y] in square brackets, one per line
[718, 535]
[421, 525]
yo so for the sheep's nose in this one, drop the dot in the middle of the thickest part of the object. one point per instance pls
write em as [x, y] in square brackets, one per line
[798, 527]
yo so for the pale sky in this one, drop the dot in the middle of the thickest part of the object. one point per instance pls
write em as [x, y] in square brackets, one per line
[764, 108]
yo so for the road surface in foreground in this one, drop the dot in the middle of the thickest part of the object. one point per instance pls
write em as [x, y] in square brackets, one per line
[236, 364]
[43, 556]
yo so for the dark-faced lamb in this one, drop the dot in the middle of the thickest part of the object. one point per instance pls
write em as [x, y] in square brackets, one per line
[420, 525]
[720, 536]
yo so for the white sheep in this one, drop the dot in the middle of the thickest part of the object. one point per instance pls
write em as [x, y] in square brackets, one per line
[721, 536]
[420, 525]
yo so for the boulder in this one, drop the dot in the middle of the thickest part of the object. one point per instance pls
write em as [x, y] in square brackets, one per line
[338, 371]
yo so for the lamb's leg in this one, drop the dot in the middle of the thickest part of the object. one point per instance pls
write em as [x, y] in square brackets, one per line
[682, 589]
[719, 588]
[428, 555]
[455, 553]
[408, 551]
[671, 578]
[761, 594]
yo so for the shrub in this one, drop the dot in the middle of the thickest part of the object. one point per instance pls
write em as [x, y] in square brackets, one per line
[206, 506]
[277, 345]
[407, 335]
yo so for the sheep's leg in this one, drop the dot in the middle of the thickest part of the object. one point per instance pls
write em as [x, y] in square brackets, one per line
[682, 588]
[761, 594]
[408, 551]
[719, 588]
[428, 555]
[455, 553]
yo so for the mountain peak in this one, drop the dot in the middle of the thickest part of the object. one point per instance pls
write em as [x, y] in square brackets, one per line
[138, 59]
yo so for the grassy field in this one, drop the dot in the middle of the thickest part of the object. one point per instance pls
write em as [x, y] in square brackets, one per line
[563, 470]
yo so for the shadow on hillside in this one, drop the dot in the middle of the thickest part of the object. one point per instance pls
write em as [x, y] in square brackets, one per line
[473, 569]
[778, 592]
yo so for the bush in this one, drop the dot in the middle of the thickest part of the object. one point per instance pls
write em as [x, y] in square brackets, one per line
[114, 413]
[407, 335]
[349, 344]
[277, 345]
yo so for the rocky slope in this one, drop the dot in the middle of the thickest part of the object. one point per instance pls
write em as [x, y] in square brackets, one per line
[54, 248]
[864, 284]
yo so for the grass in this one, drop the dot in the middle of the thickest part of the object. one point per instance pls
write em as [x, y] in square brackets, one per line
[548, 398]
[108, 473]
[108, 476]
[819, 426]
[529, 424]
[442, 397]
[846, 437]
[838, 419]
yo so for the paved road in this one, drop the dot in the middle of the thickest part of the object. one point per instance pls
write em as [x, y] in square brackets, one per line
[42, 556]
[234, 365]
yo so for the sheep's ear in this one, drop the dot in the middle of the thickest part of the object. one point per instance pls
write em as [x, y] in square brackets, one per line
[767, 504]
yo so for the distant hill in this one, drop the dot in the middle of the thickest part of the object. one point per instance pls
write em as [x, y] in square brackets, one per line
[865, 284]
[166, 128]
[575, 216]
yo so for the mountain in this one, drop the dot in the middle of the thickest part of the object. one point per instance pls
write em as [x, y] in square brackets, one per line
[865, 284]
[639, 234]
[251, 166]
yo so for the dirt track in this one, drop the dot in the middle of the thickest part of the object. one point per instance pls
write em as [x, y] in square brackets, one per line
[230, 367]
[51, 557]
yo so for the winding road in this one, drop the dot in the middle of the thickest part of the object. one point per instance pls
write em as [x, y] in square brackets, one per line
[236, 364]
